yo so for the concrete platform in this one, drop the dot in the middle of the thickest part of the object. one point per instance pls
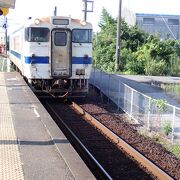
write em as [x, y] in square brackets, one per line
[31, 144]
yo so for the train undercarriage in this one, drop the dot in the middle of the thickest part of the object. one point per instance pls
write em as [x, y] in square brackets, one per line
[60, 87]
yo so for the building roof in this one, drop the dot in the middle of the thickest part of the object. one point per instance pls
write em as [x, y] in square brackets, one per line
[164, 15]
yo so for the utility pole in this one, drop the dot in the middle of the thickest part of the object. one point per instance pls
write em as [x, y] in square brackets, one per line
[85, 10]
[118, 40]
[86, 2]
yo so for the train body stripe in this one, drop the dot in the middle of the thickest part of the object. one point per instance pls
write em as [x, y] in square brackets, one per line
[16, 54]
[45, 59]
[37, 60]
[81, 60]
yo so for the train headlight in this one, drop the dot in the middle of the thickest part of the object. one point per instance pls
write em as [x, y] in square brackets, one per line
[83, 23]
[36, 21]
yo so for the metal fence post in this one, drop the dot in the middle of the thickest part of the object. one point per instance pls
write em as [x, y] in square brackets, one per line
[173, 122]
[132, 92]
[108, 88]
[119, 91]
[94, 76]
[149, 108]
[101, 89]
[101, 82]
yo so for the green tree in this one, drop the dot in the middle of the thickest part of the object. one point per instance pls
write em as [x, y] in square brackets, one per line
[141, 53]
[104, 43]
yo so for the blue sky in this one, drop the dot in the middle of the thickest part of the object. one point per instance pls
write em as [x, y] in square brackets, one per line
[25, 8]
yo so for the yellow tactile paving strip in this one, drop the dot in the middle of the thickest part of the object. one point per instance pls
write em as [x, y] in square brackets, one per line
[10, 163]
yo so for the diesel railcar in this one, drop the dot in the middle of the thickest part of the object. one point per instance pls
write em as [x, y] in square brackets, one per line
[54, 54]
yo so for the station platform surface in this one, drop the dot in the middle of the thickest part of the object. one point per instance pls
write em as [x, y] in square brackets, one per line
[31, 144]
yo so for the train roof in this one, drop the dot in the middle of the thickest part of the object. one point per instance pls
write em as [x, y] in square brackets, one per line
[50, 19]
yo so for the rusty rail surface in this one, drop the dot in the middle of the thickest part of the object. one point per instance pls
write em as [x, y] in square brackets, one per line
[151, 167]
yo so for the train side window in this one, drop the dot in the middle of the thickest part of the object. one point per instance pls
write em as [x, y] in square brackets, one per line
[34, 34]
[82, 35]
[27, 36]
[60, 38]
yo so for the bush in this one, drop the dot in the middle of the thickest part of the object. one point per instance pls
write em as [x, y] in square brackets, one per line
[156, 68]
[167, 129]
[135, 67]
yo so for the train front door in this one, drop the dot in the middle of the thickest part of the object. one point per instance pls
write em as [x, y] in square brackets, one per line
[61, 65]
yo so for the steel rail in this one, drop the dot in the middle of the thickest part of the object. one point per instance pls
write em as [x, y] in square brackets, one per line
[151, 167]
[104, 174]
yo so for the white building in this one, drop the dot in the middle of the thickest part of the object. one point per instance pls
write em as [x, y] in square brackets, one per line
[165, 26]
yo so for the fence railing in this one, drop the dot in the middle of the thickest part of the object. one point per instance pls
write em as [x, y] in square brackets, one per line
[156, 115]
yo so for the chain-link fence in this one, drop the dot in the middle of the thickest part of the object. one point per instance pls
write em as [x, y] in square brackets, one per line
[155, 115]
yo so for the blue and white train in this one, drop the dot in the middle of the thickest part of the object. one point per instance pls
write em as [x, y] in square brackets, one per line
[54, 54]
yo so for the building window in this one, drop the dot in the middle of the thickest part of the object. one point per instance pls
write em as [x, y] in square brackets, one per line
[148, 20]
[173, 21]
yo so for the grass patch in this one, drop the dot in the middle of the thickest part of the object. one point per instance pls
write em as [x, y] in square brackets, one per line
[172, 88]
[174, 149]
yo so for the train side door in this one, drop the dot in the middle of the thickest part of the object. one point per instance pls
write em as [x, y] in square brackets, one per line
[61, 65]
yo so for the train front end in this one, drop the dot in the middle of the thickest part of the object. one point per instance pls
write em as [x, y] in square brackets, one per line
[71, 55]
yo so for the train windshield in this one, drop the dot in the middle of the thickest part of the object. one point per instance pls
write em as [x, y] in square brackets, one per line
[34, 34]
[82, 35]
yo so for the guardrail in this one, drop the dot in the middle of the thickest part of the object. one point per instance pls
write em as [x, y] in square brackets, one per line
[155, 115]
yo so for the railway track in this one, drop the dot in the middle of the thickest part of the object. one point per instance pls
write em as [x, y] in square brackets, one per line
[110, 159]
